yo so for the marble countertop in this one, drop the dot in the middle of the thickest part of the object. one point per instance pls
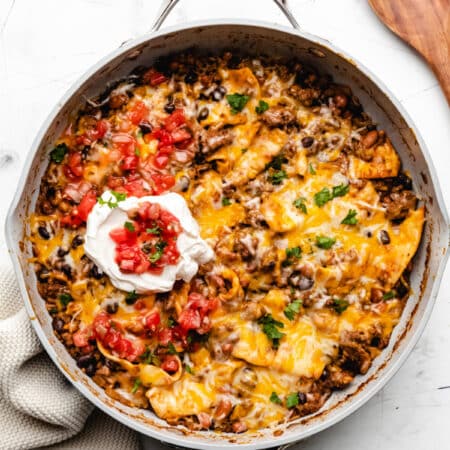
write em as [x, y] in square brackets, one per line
[46, 45]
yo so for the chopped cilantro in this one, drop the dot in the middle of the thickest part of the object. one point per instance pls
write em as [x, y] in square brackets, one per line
[148, 357]
[292, 400]
[65, 299]
[270, 328]
[171, 322]
[277, 177]
[274, 398]
[226, 201]
[292, 309]
[131, 298]
[154, 230]
[325, 242]
[389, 295]
[340, 190]
[159, 250]
[325, 195]
[237, 102]
[262, 107]
[171, 350]
[322, 197]
[58, 153]
[294, 252]
[340, 305]
[350, 218]
[312, 171]
[129, 226]
[113, 203]
[188, 369]
[136, 150]
[136, 385]
[299, 203]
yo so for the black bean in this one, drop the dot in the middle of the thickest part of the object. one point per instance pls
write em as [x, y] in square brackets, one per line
[301, 398]
[85, 360]
[62, 252]
[191, 77]
[217, 95]
[307, 141]
[203, 113]
[44, 233]
[58, 324]
[90, 370]
[51, 192]
[43, 275]
[146, 127]
[67, 270]
[77, 241]
[112, 308]
[169, 108]
[384, 237]
[96, 273]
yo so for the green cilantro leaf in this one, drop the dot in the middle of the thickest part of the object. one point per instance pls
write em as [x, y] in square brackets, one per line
[58, 153]
[131, 298]
[389, 295]
[277, 162]
[65, 299]
[340, 305]
[129, 226]
[274, 398]
[237, 102]
[292, 309]
[171, 350]
[171, 322]
[312, 171]
[270, 328]
[154, 230]
[325, 242]
[188, 369]
[226, 201]
[113, 203]
[292, 400]
[148, 357]
[322, 197]
[136, 385]
[137, 151]
[340, 190]
[262, 107]
[159, 250]
[277, 177]
[299, 203]
[294, 252]
[350, 218]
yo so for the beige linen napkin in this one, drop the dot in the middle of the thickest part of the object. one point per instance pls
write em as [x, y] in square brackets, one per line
[38, 406]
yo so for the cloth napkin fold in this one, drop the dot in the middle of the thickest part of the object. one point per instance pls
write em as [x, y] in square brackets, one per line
[38, 406]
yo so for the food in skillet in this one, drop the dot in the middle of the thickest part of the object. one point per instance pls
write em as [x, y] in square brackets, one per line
[224, 241]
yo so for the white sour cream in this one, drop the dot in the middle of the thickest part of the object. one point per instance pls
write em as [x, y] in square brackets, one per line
[101, 248]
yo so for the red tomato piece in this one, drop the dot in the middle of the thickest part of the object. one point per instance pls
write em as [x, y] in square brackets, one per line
[86, 205]
[170, 364]
[162, 182]
[175, 120]
[130, 162]
[153, 77]
[82, 336]
[190, 319]
[138, 112]
[180, 135]
[152, 321]
[161, 161]
[125, 143]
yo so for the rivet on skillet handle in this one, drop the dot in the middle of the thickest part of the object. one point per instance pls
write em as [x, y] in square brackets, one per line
[168, 5]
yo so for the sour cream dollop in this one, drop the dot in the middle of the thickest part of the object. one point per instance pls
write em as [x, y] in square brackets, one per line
[101, 248]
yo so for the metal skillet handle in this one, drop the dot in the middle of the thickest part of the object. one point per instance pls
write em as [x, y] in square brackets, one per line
[168, 5]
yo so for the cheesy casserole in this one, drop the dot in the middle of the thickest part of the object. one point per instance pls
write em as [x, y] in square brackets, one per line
[301, 198]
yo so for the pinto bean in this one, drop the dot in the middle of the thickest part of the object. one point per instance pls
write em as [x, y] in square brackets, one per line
[239, 427]
[370, 139]
[223, 409]
[341, 101]
[376, 295]
[117, 100]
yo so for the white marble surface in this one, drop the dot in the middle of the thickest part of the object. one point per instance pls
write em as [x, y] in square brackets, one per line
[45, 45]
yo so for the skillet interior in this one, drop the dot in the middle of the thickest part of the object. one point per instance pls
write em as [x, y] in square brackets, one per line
[256, 39]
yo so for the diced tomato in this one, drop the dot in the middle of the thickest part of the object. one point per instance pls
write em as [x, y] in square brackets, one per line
[190, 319]
[120, 235]
[152, 321]
[149, 211]
[175, 120]
[138, 112]
[101, 325]
[180, 135]
[165, 336]
[86, 205]
[136, 189]
[130, 162]
[170, 364]
[162, 182]
[82, 336]
[73, 169]
[153, 77]
[125, 143]
[101, 128]
[161, 161]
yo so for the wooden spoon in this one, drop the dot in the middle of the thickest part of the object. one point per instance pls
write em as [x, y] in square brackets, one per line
[425, 25]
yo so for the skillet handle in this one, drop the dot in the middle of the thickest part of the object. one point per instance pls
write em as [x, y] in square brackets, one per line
[168, 5]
